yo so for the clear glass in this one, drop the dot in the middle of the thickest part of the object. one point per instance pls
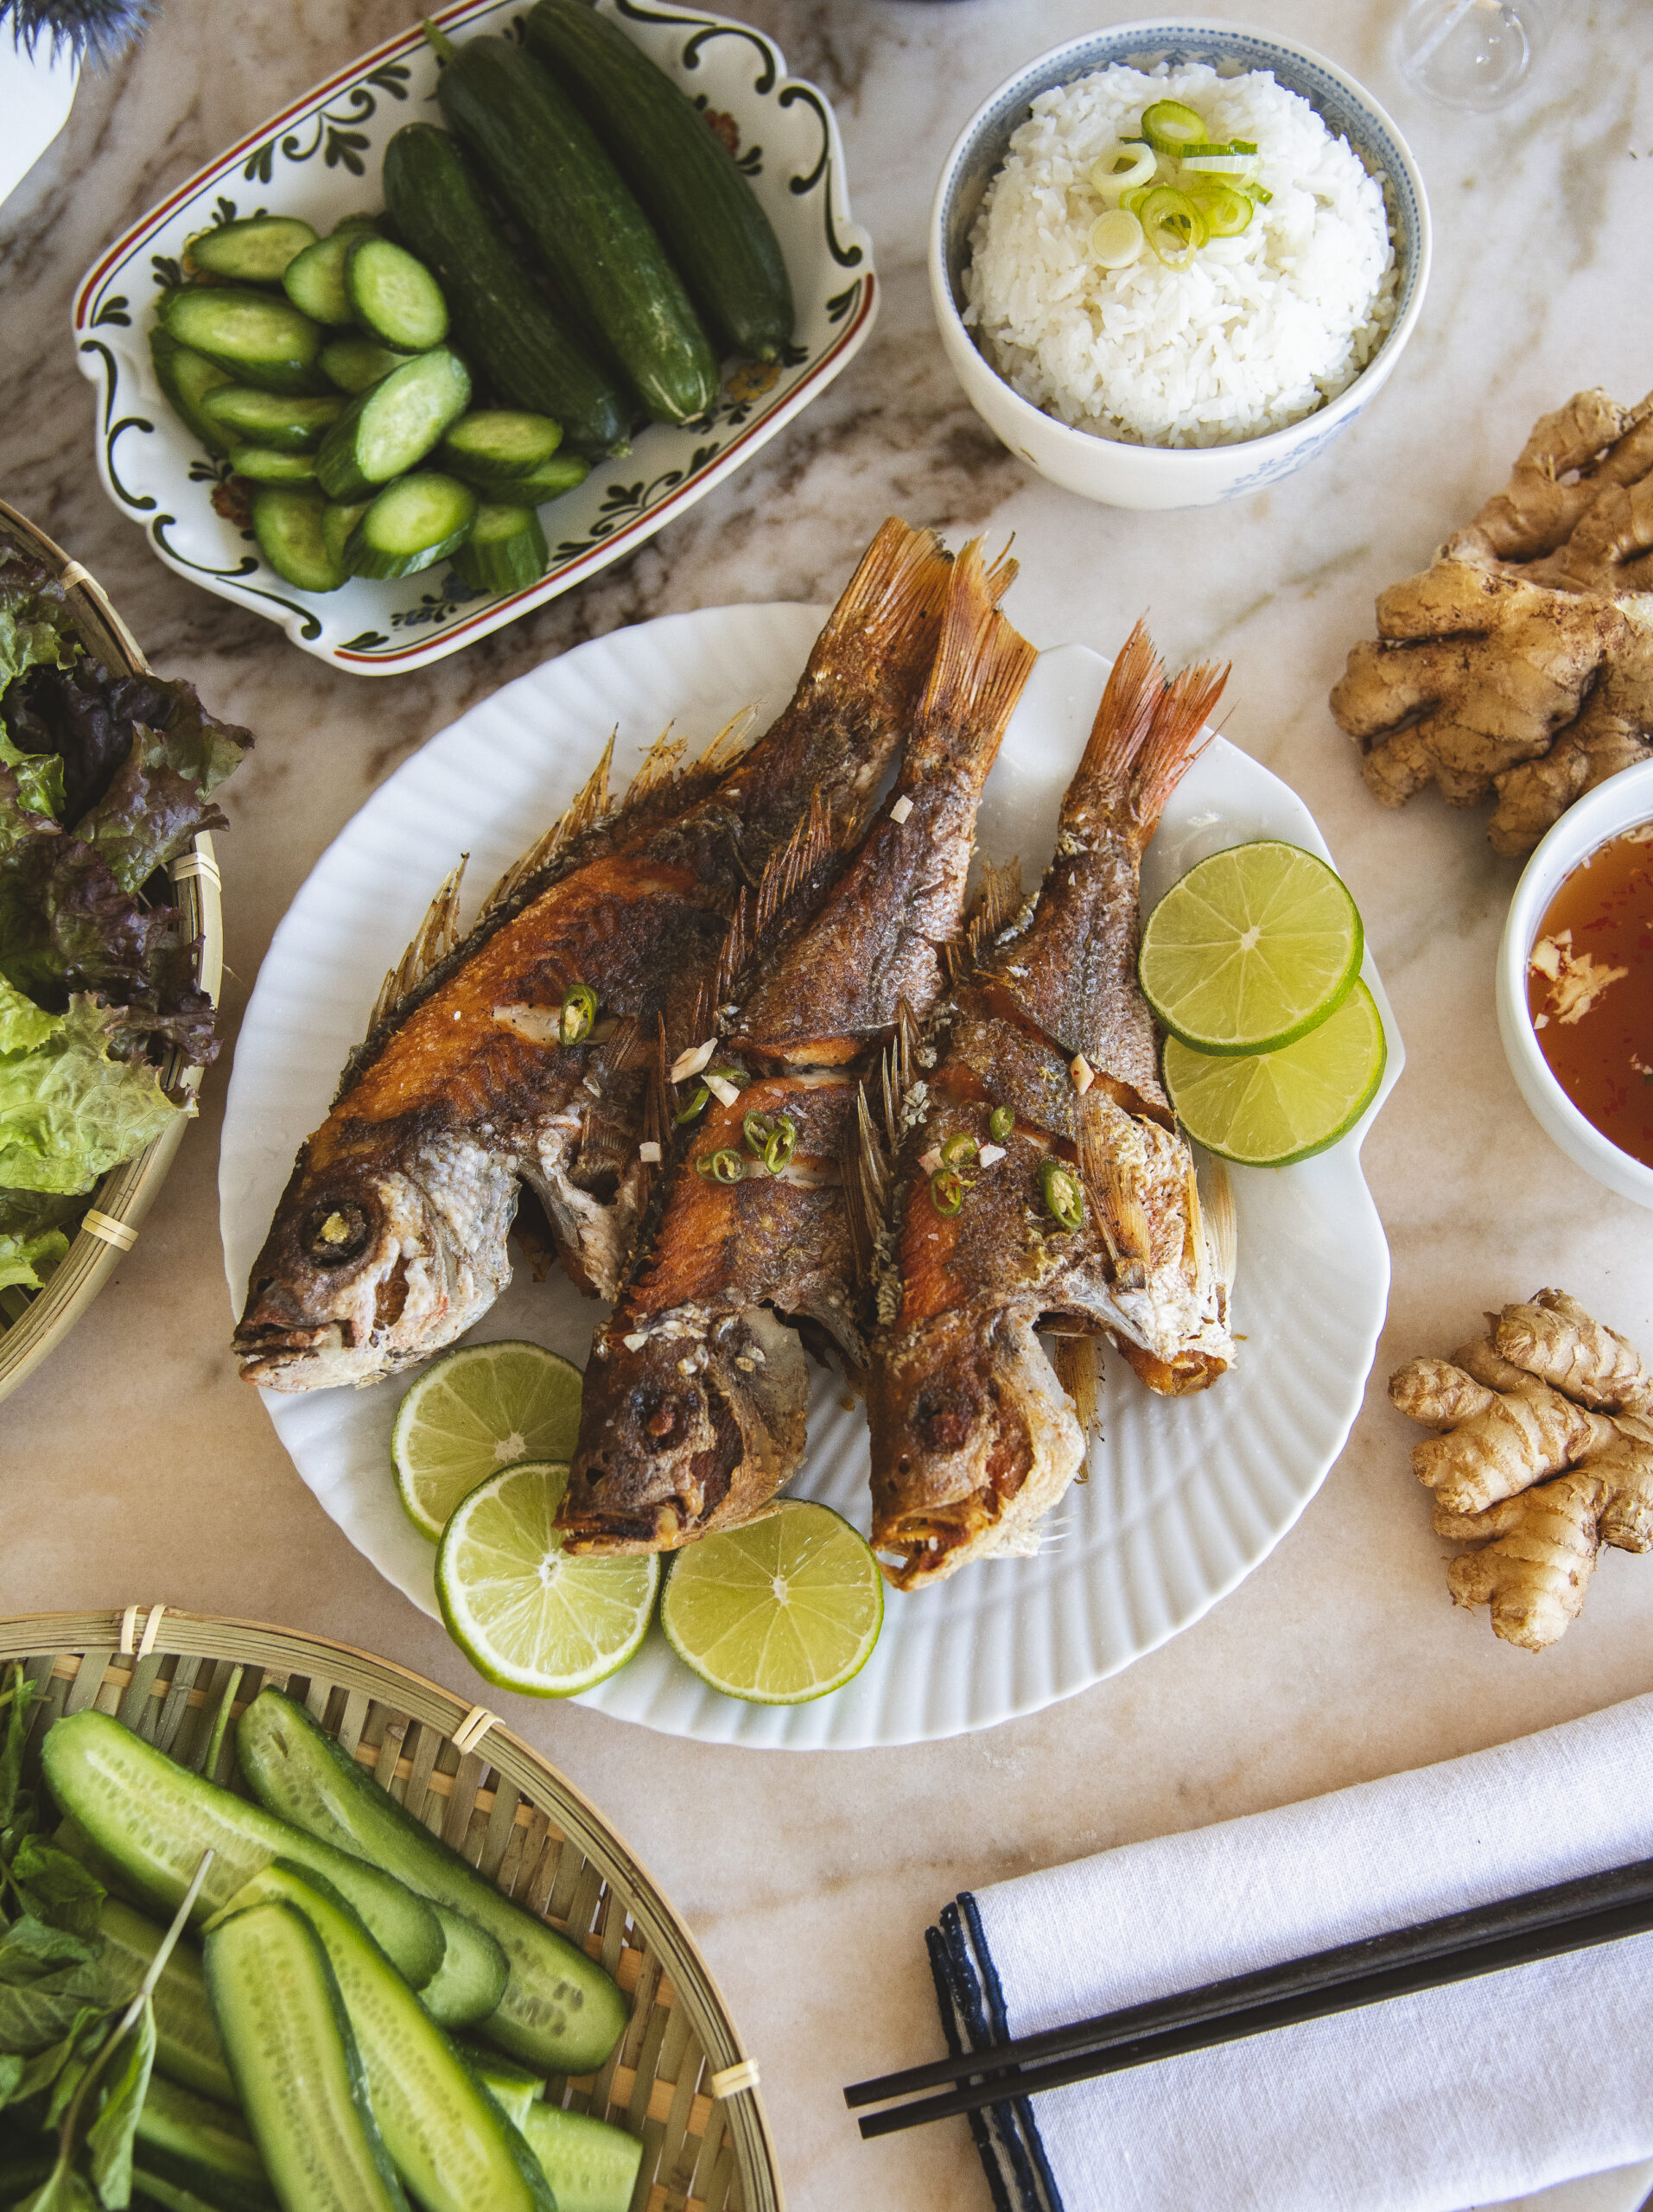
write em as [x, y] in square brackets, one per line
[1469, 53]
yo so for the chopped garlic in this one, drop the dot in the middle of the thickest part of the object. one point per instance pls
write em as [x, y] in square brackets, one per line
[1082, 1073]
[901, 809]
[649, 1154]
[635, 1342]
[931, 1160]
[692, 1061]
[989, 1154]
[723, 1089]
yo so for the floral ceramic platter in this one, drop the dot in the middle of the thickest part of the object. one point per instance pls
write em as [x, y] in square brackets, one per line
[320, 158]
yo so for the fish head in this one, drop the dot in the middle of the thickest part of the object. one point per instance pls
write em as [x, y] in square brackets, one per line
[973, 1439]
[688, 1424]
[374, 1262]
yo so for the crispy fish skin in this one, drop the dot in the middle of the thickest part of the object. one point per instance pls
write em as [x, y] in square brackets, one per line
[973, 1438]
[693, 1415]
[390, 1239]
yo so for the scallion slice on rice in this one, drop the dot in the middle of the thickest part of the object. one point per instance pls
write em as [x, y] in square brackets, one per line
[1168, 126]
[1225, 210]
[1109, 180]
[1236, 160]
[1117, 238]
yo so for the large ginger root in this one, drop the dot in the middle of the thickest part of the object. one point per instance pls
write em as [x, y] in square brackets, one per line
[1545, 1453]
[1522, 663]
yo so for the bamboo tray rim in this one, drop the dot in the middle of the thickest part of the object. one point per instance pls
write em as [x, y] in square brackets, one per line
[137, 1633]
[125, 1194]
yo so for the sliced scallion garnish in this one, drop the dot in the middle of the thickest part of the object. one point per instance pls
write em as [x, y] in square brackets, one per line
[1238, 158]
[1116, 239]
[1123, 168]
[1169, 125]
[1063, 1199]
[579, 1013]
[1173, 225]
[1226, 210]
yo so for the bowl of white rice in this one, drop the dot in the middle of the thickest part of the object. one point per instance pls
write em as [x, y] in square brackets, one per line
[1154, 362]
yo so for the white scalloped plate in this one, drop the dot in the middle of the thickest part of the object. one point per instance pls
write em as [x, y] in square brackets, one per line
[320, 158]
[1186, 1495]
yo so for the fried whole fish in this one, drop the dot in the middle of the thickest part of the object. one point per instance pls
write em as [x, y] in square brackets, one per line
[391, 1237]
[693, 1414]
[1077, 1210]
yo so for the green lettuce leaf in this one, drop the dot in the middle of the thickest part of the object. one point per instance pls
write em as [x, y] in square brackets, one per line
[68, 1112]
[39, 780]
[147, 817]
[29, 1262]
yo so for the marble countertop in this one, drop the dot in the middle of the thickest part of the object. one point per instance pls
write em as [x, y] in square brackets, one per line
[808, 1880]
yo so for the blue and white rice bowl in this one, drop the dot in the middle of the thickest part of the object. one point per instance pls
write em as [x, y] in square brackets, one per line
[1179, 388]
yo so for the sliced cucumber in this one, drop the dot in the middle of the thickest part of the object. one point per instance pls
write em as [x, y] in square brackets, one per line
[499, 446]
[289, 522]
[471, 1980]
[254, 251]
[315, 280]
[513, 2088]
[560, 474]
[392, 425]
[186, 2045]
[590, 2164]
[506, 550]
[393, 295]
[260, 465]
[337, 523]
[186, 377]
[451, 2144]
[353, 364]
[271, 419]
[297, 2064]
[149, 2188]
[413, 523]
[560, 2010]
[153, 1819]
[204, 2146]
[262, 340]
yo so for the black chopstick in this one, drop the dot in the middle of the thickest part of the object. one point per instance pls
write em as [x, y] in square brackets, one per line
[1515, 1931]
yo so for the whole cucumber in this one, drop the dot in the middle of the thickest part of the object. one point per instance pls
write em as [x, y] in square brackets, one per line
[548, 165]
[502, 323]
[684, 175]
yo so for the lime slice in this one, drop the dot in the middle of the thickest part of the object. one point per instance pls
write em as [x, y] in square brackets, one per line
[478, 1409]
[1270, 1108]
[778, 1613]
[1251, 950]
[523, 1611]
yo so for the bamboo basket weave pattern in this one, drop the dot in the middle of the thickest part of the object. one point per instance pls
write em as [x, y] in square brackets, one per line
[32, 1323]
[677, 2078]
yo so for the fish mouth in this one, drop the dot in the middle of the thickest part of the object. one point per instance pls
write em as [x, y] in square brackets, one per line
[974, 1439]
[686, 1428]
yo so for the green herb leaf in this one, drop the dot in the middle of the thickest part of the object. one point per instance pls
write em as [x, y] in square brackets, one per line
[17, 1697]
[57, 1887]
[64, 2192]
[68, 1112]
[110, 2136]
[44, 2069]
[27, 1262]
[39, 779]
[31, 1949]
[12, 2074]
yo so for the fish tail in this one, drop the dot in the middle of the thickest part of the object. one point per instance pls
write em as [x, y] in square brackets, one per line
[981, 666]
[1101, 787]
[890, 609]
[1174, 743]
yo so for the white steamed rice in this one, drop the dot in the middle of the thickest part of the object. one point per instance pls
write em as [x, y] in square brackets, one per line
[1258, 332]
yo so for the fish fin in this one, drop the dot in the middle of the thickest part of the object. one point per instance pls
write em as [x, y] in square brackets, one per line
[433, 940]
[1118, 1206]
[588, 805]
[1176, 740]
[980, 669]
[1100, 790]
[790, 877]
[998, 899]
[658, 766]
[888, 605]
[1078, 1369]
[865, 1185]
[727, 748]
[1004, 571]
[1221, 1226]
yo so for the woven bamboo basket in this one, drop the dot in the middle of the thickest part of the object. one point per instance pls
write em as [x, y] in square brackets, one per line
[677, 2078]
[33, 1323]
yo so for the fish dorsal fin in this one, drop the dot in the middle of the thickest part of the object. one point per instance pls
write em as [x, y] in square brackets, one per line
[728, 744]
[865, 1185]
[999, 898]
[788, 871]
[895, 1072]
[1119, 1207]
[658, 766]
[433, 940]
[588, 805]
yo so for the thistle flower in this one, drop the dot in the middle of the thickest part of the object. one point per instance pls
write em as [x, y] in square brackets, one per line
[96, 30]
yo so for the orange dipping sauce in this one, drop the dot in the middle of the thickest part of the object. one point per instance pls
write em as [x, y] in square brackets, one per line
[1590, 989]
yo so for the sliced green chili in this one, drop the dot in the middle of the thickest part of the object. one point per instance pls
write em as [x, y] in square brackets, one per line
[578, 1014]
[1063, 1199]
[696, 1105]
[947, 1188]
[959, 1151]
[1002, 1123]
[757, 1129]
[782, 1143]
[722, 1167]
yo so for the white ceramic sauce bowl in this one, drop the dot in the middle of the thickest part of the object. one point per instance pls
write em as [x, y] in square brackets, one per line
[1622, 802]
[1109, 470]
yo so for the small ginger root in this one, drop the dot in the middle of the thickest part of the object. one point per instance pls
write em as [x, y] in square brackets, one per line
[1544, 1454]
[1522, 663]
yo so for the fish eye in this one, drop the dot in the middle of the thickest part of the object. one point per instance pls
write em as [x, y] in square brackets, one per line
[333, 1232]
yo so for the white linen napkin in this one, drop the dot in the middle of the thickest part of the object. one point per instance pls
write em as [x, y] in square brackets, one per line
[1459, 2096]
